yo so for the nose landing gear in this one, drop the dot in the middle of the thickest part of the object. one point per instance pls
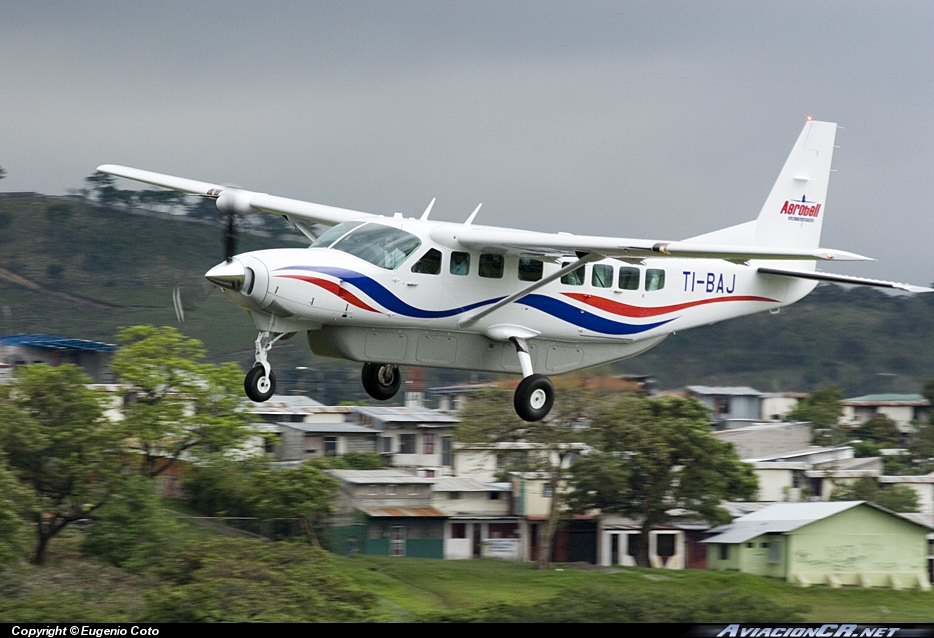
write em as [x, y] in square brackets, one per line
[260, 382]
[381, 380]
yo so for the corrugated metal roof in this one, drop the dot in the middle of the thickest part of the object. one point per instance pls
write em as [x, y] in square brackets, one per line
[379, 476]
[405, 415]
[887, 399]
[778, 518]
[403, 512]
[330, 428]
[53, 342]
[282, 403]
[723, 390]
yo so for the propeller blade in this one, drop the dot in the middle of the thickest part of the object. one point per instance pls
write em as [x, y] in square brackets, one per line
[230, 238]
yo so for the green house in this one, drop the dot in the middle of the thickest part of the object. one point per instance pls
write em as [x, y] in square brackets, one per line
[825, 543]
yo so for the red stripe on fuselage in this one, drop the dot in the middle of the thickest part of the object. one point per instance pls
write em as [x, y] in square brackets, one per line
[333, 288]
[626, 310]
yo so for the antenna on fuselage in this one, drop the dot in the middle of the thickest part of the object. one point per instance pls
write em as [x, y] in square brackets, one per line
[428, 210]
[472, 215]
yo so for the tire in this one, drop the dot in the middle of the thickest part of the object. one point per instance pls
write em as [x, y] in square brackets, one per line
[381, 380]
[257, 387]
[534, 398]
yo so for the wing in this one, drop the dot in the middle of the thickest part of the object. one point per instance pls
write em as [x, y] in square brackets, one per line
[842, 279]
[509, 241]
[235, 200]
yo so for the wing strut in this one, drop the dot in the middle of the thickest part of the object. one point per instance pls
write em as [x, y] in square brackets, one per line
[471, 319]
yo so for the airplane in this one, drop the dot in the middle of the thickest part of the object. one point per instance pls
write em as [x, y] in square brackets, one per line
[393, 291]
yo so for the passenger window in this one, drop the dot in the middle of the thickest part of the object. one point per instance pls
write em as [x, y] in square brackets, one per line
[654, 279]
[530, 269]
[575, 277]
[491, 266]
[602, 276]
[460, 263]
[430, 263]
[628, 278]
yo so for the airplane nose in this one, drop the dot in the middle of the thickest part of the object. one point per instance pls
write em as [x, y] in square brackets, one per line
[227, 274]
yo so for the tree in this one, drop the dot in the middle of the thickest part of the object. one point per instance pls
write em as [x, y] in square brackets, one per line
[898, 498]
[175, 403]
[14, 506]
[303, 492]
[557, 438]
[822, 409]
[658, 455]
[880, 429]
[2, 173]
[59, 443]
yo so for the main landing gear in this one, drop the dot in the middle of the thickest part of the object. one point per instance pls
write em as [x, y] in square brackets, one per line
[260, 382]
[381, 380]
[535, 395]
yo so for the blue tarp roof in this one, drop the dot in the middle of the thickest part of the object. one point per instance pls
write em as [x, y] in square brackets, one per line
[52, 342]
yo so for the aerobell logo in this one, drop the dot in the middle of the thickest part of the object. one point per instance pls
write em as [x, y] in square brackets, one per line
[801, 211]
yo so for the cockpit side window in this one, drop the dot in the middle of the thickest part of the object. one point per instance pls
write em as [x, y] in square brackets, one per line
[380, 245]
[429, 264]
[460, 263]
[575, 277]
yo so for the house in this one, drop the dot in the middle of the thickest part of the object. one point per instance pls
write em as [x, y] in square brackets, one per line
[385, 513]
[489, 461]
[775, 405]
[730, 407]
[922, 485]
[767, 439]
[620, 537]
[91, 356]
[901, 408]
[480, 520]
[411, 437]
[837, 543]
[810, 473]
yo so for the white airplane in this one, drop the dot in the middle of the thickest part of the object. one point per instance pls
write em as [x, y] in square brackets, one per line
[391, 291]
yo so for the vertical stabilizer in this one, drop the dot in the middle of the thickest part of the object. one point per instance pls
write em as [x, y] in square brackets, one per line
[794, 211]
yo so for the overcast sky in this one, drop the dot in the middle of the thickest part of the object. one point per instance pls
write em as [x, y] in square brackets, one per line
[656, 119]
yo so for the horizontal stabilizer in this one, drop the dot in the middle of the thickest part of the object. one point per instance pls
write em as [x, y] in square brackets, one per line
[843, 279]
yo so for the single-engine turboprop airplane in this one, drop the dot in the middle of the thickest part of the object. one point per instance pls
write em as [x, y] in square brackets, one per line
[391, 291]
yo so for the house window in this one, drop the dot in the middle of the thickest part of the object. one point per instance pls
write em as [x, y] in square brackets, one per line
[602, 276]
[385, 444]
[428, 444]
[429, 264]
[458, 530]
[654, 279]
[724, 551]
[413, 490]
[397, 540]
[390, 490]
[575, 277]
[372, 490]
[530, 269]
[494, 496]
[447, 458]
[775, 552]
[632, 544]
[491, 266]
[628, 278]
[406, 444]
[460, 263]
[330, 446]
[547, 491]
[454, 496]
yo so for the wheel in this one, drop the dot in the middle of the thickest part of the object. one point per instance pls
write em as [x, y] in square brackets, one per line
[381, 380]
[534, 398]
[257, 386]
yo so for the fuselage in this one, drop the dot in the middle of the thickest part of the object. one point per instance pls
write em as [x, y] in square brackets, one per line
[369, 287]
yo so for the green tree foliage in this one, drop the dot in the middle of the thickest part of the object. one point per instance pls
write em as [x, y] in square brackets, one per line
[485, 421]
[234, 580]
[176, 403]
[658, 455]
[132, 530]
[822, 409]
[15, 501]
[59, 443]
[351, 461]
[882, 430]
[303, 492]
[898, 498]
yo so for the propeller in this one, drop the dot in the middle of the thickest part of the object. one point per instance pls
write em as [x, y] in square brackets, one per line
[230, 238]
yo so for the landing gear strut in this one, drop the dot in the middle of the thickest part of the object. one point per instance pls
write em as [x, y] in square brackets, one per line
[260, 382]
[535, 394]
[381, 380]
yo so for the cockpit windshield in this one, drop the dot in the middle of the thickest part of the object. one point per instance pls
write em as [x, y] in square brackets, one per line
[380, 245]
[333, 234]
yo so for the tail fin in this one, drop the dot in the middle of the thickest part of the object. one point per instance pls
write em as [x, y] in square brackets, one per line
[794, 211]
